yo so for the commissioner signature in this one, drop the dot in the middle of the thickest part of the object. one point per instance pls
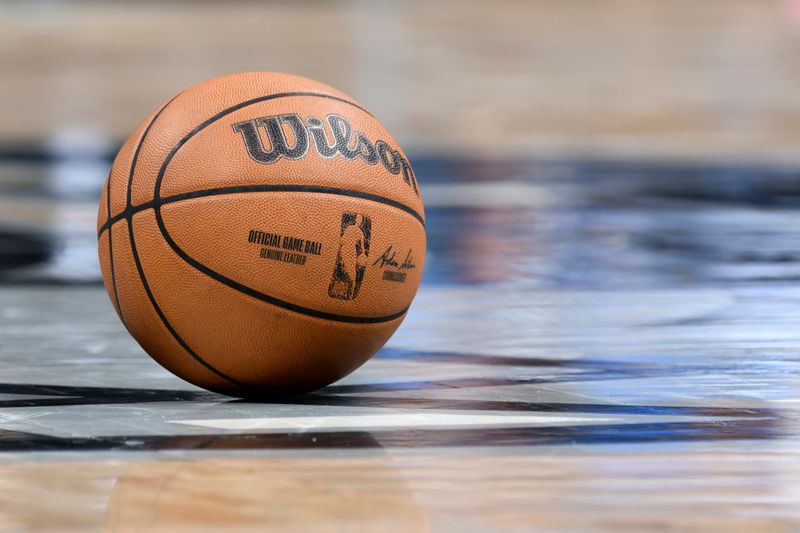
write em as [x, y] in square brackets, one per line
[389, 259]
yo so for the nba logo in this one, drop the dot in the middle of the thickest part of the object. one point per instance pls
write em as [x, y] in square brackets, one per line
[351, 260]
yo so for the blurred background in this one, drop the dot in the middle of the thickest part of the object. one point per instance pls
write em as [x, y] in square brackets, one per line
[595, 142]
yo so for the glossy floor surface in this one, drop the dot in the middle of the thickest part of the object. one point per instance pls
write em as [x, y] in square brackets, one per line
[596, 345]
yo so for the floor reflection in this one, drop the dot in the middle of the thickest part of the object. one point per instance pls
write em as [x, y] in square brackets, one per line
[529, 223]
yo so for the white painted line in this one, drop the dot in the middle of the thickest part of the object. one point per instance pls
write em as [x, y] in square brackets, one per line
[397, 420]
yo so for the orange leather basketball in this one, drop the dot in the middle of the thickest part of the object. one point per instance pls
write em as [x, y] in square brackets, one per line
[261, 234]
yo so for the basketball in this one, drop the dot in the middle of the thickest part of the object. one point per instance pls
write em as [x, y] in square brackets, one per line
[261, 234]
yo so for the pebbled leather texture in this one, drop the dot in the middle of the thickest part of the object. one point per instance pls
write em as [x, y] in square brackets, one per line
[261, 234]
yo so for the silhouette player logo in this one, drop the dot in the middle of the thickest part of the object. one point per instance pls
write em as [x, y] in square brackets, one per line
[351, 261]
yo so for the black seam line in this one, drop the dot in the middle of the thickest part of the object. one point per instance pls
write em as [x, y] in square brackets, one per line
[158, 202]
[146, 286]
[130, 211]
[111, 251]
[127, 204]
[128, 200]
[319, 189]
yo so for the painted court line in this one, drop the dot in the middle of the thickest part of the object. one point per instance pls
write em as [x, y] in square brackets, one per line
[397, 420]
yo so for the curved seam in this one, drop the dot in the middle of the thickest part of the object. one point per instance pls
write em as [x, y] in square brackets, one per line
[220, 191]
[143, 279]
[271, 299]
[111, 252]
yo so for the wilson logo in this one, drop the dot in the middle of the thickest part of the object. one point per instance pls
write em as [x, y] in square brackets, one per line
[267, 141]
